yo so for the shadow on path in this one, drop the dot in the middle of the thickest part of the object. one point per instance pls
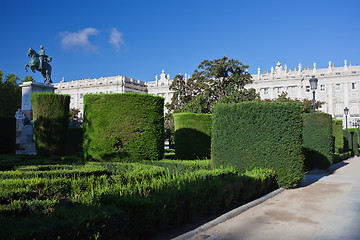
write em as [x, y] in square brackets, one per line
[316, 174]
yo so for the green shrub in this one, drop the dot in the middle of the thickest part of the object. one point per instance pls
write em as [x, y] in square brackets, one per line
[124, 127]
[338, 136]
[7, 135]
[50, 116]
[136, 202]
[259, 134]
[338, 157]
[351, 141]
[318, 140]
[192, 135]
[74, 140]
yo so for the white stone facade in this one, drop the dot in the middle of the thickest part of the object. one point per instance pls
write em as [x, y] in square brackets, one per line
[338, 87]
[160, 87]
[118, 84]
[78, 88]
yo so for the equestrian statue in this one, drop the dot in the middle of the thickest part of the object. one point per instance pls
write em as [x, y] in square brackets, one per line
[40, 62]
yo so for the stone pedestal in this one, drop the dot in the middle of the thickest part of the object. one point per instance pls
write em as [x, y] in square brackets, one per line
[25, 142]
[25, 137]
[27, 89]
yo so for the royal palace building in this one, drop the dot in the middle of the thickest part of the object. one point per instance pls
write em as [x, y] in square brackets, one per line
[338, 87]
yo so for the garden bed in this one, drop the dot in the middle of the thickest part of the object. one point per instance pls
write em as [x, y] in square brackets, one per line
[110, 200]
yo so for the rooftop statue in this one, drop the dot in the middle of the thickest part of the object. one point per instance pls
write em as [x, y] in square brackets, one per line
[40, 62]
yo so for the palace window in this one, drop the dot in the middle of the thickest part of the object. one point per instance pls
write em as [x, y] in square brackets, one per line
[292, 89]
[266, 91]
[322, 87]
[337, 87]
[81, 95]
[353, 86]
[307, 89]
[279, 90]
[322, 74]
[337, 73]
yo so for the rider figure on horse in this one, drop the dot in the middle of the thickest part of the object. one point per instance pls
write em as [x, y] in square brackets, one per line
[43, 57]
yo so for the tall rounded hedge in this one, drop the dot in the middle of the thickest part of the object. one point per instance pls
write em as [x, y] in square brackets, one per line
[259, 134]
[192, 135]
[318, 140]
[50, 117]
[7, 135]
[338, 136]
[125, 127]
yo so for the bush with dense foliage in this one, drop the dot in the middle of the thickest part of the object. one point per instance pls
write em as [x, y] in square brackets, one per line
[192, 135]
[260, 134]
[124, 127]
[126, 201]
[7, 135]
[74, 140]
[51, 117]
[318, 140]
[338, 136]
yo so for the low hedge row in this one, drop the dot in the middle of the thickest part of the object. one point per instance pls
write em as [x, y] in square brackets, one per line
[338, 157]
[142, 201]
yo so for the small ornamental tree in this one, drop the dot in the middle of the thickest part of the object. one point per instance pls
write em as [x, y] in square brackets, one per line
[51, 118]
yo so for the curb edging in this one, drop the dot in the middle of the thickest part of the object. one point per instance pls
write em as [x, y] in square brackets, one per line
[229, 215]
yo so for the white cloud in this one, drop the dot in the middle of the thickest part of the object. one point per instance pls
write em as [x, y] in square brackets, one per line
[116, 39]
[80, 39]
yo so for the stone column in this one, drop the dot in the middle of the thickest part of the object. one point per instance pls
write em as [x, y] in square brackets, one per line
[27, 89]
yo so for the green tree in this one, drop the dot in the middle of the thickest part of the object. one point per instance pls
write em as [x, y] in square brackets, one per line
[220, 80]
[28, 78]
[10, 95]
[307, 104]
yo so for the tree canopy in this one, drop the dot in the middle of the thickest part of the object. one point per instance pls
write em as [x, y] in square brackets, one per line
[10, 95]
[307, 104]
[220, 80]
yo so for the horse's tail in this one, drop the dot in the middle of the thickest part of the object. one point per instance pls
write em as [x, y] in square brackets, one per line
[26, 67]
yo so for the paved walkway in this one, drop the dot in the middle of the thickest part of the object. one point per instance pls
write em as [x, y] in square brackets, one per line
[326, 206]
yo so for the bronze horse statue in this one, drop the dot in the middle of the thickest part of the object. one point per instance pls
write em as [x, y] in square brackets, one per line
[34, 64]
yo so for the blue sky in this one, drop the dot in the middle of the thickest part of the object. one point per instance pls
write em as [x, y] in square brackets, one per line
[140, 38]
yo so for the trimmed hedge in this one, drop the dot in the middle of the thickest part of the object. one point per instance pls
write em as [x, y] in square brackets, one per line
[318, 140]
[51, 117]
[351, 141]
[136, 202]
[192, 135]
[337, 132]
[74, 140]
[7, 135]
[126, 127]
[260, 134]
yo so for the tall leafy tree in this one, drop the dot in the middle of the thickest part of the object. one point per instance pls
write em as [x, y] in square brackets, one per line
[307, 104]
[10, 95]
[28, 78]
[219, 80]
